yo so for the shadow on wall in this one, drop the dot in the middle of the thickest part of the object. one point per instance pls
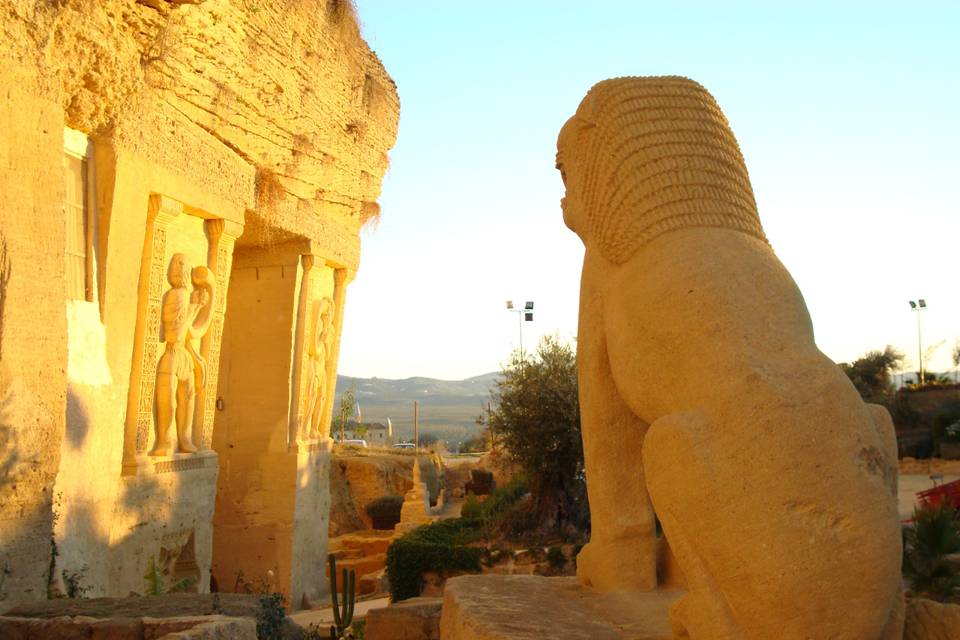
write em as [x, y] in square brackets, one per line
[8, 438]
[9, 455]
[78, 420]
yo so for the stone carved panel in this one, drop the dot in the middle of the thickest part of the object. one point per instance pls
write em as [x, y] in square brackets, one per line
[154, 321]
[181, 370]
[315, 378]
[319, 321]
[161, 213]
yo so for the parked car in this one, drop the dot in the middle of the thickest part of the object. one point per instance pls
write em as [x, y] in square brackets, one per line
[356, 442]
[405, 445]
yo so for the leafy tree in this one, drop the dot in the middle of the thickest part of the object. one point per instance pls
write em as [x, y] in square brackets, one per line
[476, 444]
[537, 420]
[870, 373]
[429, 439]
[348, 401]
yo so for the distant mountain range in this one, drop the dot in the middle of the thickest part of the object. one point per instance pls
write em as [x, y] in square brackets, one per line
[448, 408]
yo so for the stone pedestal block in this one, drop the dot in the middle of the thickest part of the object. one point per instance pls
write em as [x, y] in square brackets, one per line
[413, 619]
[521, 607]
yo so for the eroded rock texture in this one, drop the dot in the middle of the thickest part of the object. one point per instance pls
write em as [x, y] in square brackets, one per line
[274, 112]
[929, 620]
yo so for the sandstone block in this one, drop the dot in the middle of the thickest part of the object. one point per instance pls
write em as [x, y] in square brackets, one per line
[533, 607]
[929, 620]
[413, 619]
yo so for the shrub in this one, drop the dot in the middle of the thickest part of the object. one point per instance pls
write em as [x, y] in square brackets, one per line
[556, 558]
[270, 617]
[946, 424]
[481, 482]
[440, 546]
[935, 534]
[385, 511]
[536, 420]
[472, 508]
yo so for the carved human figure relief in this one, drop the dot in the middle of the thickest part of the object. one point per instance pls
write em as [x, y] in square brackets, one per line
[185, 316]
[316, 367]
[774, 482]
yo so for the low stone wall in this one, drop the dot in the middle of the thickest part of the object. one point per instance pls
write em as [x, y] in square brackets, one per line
[180, 628]
[167, 606]
[930, 466]
[510, 562]
[413, 619]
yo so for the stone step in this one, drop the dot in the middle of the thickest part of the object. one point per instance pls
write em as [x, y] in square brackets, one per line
[372, 583]
[366, 544]
[362, 567]
[413, 619]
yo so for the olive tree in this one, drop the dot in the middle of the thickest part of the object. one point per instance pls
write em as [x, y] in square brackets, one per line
[536, 418]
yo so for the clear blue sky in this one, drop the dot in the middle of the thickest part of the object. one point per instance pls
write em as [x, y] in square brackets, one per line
[847, 116]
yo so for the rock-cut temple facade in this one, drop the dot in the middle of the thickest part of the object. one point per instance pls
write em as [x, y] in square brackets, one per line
[183, 188]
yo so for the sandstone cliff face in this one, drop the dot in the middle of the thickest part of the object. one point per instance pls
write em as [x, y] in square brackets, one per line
[355, 481]
[289, 88]
[275, 109]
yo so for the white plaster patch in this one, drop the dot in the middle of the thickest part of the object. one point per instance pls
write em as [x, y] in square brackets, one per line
[86, 345]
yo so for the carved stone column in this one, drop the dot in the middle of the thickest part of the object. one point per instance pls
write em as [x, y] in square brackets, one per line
[221, 234]
[296, 434]
[161, 212]
[341, 278]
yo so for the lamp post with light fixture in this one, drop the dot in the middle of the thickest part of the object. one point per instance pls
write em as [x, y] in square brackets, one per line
[524, 314]
[919, 306]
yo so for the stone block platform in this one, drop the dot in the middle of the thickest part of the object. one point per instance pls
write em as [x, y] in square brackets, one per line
[492, 607]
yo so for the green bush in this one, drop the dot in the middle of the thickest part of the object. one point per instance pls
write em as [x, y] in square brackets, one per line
[440, 546]
[556, 558]
[935, 534]
[946, 424]
[481, 482]
[504, 498]
[271, 616]
[385, 511]
[472, 508]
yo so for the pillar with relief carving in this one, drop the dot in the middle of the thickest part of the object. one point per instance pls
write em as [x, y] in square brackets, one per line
[161, 212]
[221, 234]
[296, 432]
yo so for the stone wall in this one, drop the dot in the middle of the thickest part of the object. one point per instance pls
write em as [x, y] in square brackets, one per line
[33, 327]
[206, 123]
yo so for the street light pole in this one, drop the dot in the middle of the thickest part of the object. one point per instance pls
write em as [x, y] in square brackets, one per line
[525, 314]
[919, 306]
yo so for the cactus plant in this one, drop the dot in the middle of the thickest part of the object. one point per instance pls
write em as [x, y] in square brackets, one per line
[342, 618]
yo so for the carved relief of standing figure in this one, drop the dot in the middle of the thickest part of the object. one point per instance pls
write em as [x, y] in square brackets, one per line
[320, 348]
[186, 316]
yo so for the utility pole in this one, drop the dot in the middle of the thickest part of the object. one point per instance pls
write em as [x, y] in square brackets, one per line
[525, 314]
[919, 306]
[489, 430]
[416, 426]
